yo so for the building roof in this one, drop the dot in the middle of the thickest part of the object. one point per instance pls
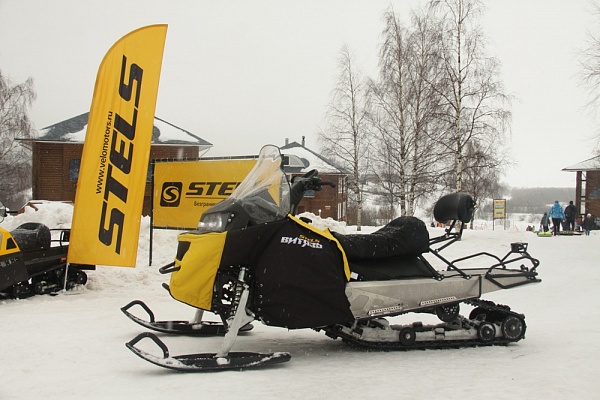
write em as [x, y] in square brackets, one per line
[310, 159]
[592, 164]
[73, 130]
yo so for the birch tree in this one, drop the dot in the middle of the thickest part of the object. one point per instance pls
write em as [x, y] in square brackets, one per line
[472, 93]
[590, 68]
[345, 137]
[405, 106]
[482, 171]
[15, 157]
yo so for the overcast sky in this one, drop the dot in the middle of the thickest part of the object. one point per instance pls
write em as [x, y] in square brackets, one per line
[245, 73]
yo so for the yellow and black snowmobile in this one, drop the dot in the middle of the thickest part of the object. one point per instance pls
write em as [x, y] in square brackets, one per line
[32, 262]
[251, 259]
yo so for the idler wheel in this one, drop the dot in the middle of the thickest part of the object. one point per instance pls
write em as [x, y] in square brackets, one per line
[407, 336]
[513, 328]
[448, 312]
[78, 277]
[486, 332]
[39, 287]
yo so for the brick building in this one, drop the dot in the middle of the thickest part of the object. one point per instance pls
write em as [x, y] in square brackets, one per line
[57, 155]
[329, 202]
[587, 186]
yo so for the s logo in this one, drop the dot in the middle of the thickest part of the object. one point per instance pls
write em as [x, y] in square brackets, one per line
[170, 195]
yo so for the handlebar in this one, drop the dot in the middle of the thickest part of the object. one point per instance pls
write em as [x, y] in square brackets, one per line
[308, 181]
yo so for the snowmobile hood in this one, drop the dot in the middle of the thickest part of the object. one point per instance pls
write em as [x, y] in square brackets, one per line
[200, 255]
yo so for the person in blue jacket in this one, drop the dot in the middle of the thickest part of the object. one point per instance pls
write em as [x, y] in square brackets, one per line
[557, 214]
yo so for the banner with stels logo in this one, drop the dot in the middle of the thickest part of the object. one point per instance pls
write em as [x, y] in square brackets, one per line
[183, 190]
[114, 163]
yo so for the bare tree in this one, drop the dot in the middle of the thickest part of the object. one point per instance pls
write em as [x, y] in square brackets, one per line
[404, 110]
[15, 158]
[590, 69]
[473, 94]
[481, 173]
[345, 137]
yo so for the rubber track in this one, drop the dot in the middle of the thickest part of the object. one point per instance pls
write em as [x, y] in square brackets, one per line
[434, 344]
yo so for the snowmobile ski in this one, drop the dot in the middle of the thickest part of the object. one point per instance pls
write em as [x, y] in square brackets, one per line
[192, 328]
[204, 361]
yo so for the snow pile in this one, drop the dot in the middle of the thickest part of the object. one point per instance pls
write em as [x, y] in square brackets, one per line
[325, 223]
[53, 214]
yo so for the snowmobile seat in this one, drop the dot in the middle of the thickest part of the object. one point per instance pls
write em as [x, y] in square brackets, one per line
[403, 237]
[32, 236]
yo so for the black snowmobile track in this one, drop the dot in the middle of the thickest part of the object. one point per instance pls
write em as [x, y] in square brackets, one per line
[492, 310]
[420, 345]
[204, 362]
[204, 328]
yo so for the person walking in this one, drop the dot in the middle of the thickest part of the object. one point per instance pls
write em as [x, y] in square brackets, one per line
[588, 224]
[557, 214]
[545, 223]
[570, 213]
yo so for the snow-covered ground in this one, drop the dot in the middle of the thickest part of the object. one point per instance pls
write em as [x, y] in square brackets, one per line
[72, 346]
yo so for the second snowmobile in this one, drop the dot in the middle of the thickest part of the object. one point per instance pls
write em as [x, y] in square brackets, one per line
[33, 260]
[251, 259]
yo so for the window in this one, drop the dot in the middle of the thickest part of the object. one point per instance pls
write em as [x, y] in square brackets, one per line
[74, 168]
[309, 193]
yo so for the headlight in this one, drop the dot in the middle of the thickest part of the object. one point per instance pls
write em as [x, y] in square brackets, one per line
[215, 222]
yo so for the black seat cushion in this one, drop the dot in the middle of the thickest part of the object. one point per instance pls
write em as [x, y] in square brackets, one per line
[402, 237]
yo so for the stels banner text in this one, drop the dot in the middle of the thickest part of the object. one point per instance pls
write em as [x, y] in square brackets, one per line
[183, 190]
[114, 164]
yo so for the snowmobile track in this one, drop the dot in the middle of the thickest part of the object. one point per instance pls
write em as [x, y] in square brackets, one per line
[479, 330]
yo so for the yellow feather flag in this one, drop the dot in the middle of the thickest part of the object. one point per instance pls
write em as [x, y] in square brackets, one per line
[114, 164]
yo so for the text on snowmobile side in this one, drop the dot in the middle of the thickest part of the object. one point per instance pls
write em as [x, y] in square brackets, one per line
[303, 241]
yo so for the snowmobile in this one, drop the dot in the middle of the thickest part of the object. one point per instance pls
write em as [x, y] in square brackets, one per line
[251, 259]
[32, 262]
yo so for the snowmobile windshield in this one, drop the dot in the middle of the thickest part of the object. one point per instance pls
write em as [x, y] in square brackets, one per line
[265, 192]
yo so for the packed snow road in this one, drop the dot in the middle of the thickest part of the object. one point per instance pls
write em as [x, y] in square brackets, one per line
[73, 345]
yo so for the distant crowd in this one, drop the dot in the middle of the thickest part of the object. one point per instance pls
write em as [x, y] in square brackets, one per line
[567, 220]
